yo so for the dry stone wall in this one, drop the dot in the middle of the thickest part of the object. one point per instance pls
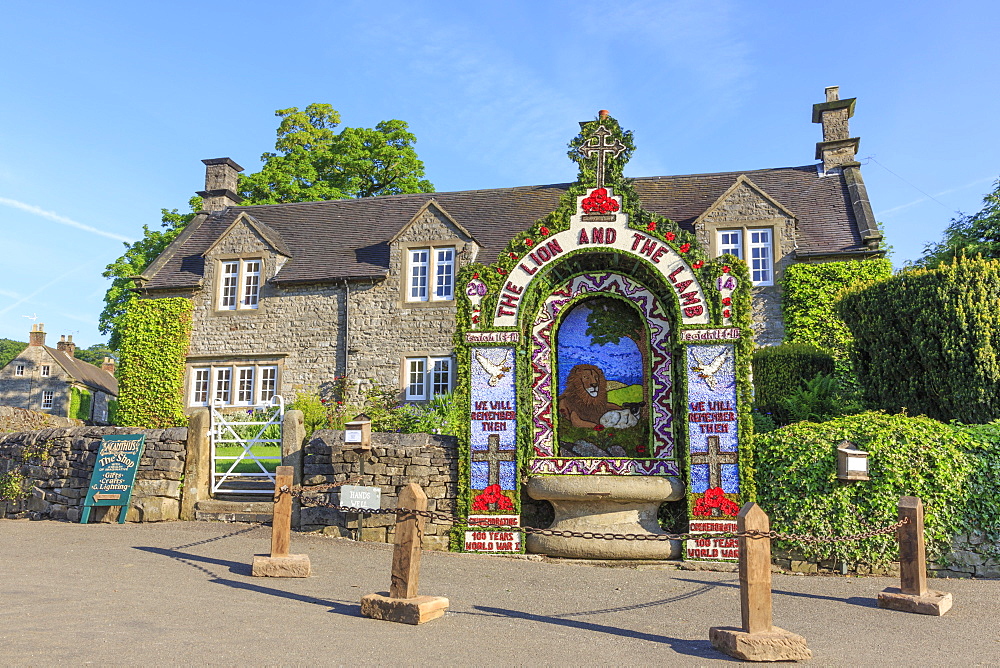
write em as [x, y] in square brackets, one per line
[395, 460]
[57, 477]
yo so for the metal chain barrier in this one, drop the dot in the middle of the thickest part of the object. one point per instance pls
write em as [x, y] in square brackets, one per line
[300, 493]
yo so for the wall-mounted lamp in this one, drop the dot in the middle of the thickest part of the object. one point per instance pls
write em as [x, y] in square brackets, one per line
[852, 463]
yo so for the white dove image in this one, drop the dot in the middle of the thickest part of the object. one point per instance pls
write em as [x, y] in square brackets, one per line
[495, 370]
[707, 371]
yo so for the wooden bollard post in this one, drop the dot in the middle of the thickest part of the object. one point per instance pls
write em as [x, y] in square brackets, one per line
[912, 595]
[281, 564]
[758, 640]
[403, 604]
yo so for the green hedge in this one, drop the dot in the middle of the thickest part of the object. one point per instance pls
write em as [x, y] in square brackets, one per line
[154, 343]
[79, 403]
[952, 472]
[928, 340]
[808, 302]
[778, 371]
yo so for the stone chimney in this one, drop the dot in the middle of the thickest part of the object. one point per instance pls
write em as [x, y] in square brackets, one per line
[838, 148]
[66, 345]
[221, 178]
[108, 365]
[37, 335]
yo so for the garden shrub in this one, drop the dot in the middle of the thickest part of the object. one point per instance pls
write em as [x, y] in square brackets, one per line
[808, 306]
[909, 456]
[928, 340]
[779, 370]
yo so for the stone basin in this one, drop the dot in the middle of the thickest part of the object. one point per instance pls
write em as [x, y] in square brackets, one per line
[605, 504]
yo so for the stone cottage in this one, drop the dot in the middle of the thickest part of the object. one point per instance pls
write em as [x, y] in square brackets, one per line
[287, 297]
[45, 379]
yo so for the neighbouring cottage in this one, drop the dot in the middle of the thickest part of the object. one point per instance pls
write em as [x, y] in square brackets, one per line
[53, 381]
[598, 332]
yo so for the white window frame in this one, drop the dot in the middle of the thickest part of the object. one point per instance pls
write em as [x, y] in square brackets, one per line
[46, 371]
[425, 377]
[759, 255]
[239, 284]
[248, 384]
[48, 398]
[19, 370]
[430, 274]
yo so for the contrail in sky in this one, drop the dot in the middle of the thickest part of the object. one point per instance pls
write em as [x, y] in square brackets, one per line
[62, 219]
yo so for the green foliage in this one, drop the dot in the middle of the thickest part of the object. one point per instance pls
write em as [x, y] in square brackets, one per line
[798, 486]
[818, 400]
[778, 371]
[928, 340]
[808, 306]
[313, 162]
[982, 509]
[95, 354]
[154, 342]
[763, 422]
[13, 485]
[79, 403]
[9, 349]
[137, 257]
[112, 411]
[968, 236]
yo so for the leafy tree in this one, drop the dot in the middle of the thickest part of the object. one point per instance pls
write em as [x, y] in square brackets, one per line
[95, 354]
[978, 234]
[609, 321]
[311, 162]
[9, 349]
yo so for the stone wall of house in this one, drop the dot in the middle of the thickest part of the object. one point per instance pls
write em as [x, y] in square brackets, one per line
[306, 329]
[395, 460]
[26, 391]
[56, 482]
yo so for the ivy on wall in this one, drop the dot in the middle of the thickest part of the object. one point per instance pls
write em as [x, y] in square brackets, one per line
[155, 337]
[79, 403]
[928, 340]
[808, 305]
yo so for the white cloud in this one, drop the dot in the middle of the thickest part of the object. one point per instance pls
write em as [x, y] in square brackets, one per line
[38, 211]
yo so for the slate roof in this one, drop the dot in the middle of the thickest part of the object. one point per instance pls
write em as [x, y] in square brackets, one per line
[85, 372]
[344, 239]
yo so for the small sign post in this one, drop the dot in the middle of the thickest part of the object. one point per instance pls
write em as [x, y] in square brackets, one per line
[114, 474]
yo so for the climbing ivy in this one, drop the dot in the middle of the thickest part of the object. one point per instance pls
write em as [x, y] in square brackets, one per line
[79, 403]
[155, 337]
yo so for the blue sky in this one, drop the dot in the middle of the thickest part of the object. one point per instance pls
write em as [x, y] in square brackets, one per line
[108, 107]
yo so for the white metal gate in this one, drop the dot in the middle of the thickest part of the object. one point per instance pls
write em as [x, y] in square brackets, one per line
[245, 472]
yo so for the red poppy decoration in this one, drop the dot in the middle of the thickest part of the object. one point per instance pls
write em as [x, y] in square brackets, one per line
[513, 256]
[727, 313]
[651, 227]
[714, 498]
[599, 202]
[492, 494]
[726, 301]
[684, 248]
[476, 275]
[598, 427]
[529, 243]
[698, 264]
[725, 270]
[475, 318]
[544, 230]
[501, 271]
[670, 236]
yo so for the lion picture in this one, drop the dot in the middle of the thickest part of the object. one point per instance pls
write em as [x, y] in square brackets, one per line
[585, 399]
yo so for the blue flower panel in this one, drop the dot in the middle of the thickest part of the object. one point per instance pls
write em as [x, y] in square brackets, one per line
[730, 474]
[508, 475]
[480, 475]
[699, 478]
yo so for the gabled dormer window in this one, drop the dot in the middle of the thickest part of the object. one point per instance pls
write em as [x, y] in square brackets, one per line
[239, 284]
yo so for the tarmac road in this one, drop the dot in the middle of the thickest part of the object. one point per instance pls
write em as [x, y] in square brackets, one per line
[181, 593]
